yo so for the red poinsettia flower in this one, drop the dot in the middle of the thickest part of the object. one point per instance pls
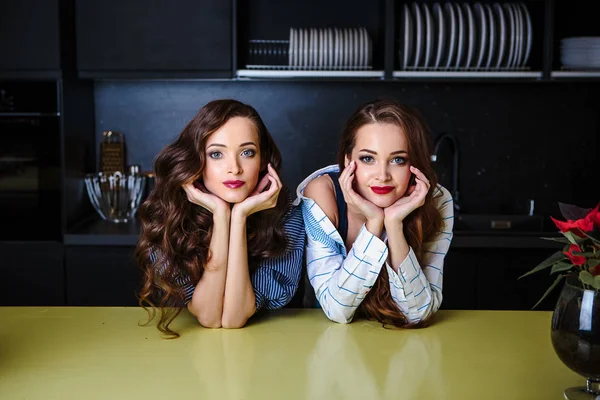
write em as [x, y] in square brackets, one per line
[581, 225]
[576, 260]
[576, 226]
[594, 217]
[595, 271]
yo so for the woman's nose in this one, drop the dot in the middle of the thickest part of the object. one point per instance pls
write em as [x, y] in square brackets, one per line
[234, 167]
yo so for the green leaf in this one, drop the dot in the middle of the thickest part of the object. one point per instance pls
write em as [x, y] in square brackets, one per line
[573, 238]
[557, 239]
[592, 262]
[586, 277]
[558, 279]
[561, 266]
[586, 254]
[597, 282]
[554, 258]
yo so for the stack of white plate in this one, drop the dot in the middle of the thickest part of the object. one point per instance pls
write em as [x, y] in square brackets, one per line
[580, 52]
[453, 36]
[330, 49]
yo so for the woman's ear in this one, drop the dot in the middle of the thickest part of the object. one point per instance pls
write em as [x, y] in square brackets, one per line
[346, 160]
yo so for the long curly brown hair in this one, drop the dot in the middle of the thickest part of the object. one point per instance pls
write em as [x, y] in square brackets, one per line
[423, 223]
[176, 233]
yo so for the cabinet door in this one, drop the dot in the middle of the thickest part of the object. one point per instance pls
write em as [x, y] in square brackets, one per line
[460, 275]
[31, 274]
[154, 38]
[101, 276]
[29, 37]
[498, 286]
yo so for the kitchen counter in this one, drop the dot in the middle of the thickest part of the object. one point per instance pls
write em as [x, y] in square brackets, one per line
[102, 353]
[96, 232]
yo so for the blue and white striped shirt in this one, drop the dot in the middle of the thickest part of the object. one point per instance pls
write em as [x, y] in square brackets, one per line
[341, 281]
[276, 279]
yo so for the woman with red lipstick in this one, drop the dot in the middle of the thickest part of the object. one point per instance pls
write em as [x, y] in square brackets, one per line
[219, 233]
[378, 224]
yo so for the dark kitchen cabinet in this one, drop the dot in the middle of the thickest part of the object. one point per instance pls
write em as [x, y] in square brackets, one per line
[29, 39]
[31, 274]
[460, 277]
[101, 276]
[498, 286]
[156, 38]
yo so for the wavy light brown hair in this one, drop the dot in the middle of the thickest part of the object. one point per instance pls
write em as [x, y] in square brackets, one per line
[424, 222]
[176, 234]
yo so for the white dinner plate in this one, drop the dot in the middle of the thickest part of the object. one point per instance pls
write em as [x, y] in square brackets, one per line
[512, 35]
[438, 15]
[407, 39]
[291, 47]
[300, 58]
[528, 33]
[472, 35]
[321, 48]
[493, 36]
[429, 39]
[355, 45]
[503, 34]
[482, 33]
[336, 52]
[462, 36]
[450, 44]
[519, 35]
[346, 52]
[369, 49]
[419, 35]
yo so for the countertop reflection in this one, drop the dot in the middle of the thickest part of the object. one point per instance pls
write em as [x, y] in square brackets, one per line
[101, 353]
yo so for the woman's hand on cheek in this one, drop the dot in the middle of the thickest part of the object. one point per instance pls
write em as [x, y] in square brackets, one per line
[261, 198]
[413, 199]
[364, 206]
[205, 199]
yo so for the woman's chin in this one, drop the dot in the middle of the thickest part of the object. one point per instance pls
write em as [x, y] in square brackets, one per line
[233, 198]
[382, 201]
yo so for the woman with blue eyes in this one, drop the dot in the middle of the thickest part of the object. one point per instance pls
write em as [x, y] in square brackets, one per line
[378, 225]
[219, 233]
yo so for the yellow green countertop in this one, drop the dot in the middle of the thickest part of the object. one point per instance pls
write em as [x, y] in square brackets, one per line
[101, 353]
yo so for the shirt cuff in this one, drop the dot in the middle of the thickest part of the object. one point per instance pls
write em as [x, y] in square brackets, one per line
[370, 247]
[407, 270]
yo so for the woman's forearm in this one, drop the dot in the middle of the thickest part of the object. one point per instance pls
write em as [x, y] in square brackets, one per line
[239, 302]
[207, 300]
[397, 245]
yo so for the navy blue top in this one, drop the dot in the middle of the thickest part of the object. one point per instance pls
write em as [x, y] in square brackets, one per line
[341, 205]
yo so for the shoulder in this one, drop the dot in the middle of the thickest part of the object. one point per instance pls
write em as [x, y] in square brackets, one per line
[322, 191]
[442, 199]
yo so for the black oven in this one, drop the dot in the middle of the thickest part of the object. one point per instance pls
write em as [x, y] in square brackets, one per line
[30, 159]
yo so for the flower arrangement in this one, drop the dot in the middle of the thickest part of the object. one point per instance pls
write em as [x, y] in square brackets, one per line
[580, 257]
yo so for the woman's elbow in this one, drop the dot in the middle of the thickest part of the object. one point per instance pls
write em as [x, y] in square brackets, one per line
[237, 321]
[234, 323]
[338, 316]
[207, 321]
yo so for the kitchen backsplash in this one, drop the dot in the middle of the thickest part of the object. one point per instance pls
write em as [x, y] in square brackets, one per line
[518, 141]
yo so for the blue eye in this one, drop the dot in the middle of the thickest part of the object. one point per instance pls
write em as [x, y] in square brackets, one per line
[366, 159]
[398, 160]
[215, 154]
[248, 153]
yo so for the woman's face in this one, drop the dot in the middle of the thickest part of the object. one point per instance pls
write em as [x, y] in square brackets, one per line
[382, 171]
[232, 160]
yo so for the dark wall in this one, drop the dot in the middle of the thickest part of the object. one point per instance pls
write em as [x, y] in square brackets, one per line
[518, 141]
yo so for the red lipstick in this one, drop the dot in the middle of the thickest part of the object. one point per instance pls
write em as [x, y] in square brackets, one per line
[382, 189]
[234, 184]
